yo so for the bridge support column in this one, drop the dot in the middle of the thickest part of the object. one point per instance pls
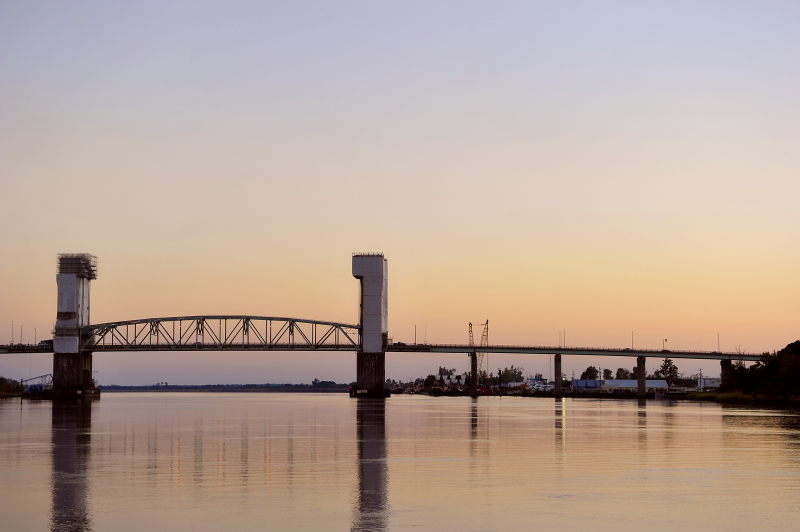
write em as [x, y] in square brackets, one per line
[557, 392]
[726, 374]
[72, 373]
[72, 367]
[372, 270]
[641, 374]
[473, 374]
[371, 370]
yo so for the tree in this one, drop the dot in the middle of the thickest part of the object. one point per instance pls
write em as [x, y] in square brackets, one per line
[590, 374]
[607, 374]
[777, 374]
[9, 385]
[513, 374]
[623, 373]
[444, 372]
[668, 371]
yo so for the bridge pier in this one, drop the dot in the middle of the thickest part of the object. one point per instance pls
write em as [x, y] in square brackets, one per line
[641, 374]
[371, 375]
[473, 374]
[372, 270]
[72, 366]
[557, 392]
[72, 373]
[726, 374]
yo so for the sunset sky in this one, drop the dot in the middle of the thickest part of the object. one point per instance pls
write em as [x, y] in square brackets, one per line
[596, 167]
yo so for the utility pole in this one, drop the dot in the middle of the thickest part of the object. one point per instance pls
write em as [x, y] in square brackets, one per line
[718, 349]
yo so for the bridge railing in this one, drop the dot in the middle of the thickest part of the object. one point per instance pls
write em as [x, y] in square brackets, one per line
[221, 333]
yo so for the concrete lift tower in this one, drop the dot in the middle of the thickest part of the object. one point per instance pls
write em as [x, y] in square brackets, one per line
[372, 270]
[72, 367]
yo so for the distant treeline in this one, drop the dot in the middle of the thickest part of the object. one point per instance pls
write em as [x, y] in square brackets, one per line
[776, 375]
[315, 386]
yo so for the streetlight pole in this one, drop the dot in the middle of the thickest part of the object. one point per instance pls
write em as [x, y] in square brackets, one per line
[34, 336]
[20, 333]
[718, 350]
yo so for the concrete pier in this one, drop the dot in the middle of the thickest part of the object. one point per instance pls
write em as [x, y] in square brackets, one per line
[371, 374]
[641, 370]
[71, 372]
[473, 375]
[726, 373]
[557, 391]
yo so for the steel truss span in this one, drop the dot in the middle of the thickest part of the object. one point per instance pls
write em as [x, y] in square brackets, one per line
[221, 333]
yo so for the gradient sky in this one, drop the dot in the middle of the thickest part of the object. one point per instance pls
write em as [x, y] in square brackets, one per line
[599, 167]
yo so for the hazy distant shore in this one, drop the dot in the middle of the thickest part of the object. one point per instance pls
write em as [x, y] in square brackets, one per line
[238, 388]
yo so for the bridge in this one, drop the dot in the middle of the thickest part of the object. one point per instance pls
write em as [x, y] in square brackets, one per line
[76, 339]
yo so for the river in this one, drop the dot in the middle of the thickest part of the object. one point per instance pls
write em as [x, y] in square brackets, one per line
[239, 461]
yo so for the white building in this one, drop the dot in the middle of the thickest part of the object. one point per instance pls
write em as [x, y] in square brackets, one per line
[706, 383]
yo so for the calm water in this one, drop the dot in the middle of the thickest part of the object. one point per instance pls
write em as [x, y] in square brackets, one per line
[327, 462]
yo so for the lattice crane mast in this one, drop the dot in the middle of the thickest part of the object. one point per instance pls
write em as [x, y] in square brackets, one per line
[484, 343]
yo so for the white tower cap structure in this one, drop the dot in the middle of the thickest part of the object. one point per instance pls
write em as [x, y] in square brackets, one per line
[372, 270]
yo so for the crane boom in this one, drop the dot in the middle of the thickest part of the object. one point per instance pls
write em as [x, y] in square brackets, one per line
[484, 343]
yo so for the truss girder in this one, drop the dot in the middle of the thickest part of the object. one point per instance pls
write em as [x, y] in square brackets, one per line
[220, 333]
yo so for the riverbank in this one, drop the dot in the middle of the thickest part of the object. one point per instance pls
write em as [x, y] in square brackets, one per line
[739, 398]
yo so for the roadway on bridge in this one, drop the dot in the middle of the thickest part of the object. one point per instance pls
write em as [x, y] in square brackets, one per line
[397, 348]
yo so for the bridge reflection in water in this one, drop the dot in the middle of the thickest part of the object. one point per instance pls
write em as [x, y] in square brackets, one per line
[71, 439]
[197, 460]
[371, 507]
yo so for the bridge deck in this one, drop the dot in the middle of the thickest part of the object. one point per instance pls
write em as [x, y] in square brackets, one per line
[549, 350]
[401, 348]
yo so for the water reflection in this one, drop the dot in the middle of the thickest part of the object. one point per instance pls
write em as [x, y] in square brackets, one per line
[71, 438]
[371, 512]
[450, 466]
[561, 435]
[474, 420]
[641, 418]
